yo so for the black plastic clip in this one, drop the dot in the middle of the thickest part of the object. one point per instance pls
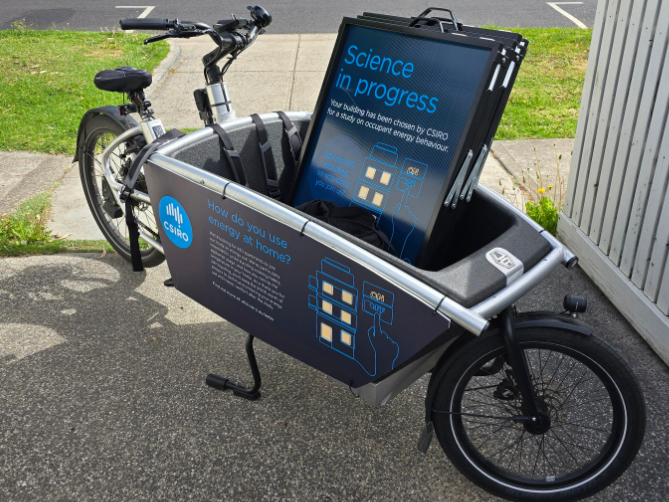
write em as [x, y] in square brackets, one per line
[273, 189]
[303, 227]
[436, 310]
[125, 193]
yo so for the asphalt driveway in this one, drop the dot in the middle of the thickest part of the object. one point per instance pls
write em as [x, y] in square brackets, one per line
[102, 397]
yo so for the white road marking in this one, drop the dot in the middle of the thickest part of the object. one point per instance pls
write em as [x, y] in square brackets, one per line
[145, 12]
[566, 14]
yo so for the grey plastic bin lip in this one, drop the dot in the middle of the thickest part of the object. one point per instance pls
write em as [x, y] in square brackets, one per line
[473, 319]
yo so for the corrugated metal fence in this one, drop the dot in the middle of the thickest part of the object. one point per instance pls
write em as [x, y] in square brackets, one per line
[616, 213]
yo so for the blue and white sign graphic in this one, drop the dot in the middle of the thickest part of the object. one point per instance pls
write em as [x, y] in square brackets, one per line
[391, 122]
[175, 222]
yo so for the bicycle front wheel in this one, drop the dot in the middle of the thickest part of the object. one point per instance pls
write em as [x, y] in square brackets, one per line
[590, 399]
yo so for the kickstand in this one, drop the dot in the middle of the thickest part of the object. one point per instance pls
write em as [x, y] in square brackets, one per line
[222, 383]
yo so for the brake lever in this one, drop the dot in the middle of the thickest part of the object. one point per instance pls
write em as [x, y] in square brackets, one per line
[177, 33]
[157, 38]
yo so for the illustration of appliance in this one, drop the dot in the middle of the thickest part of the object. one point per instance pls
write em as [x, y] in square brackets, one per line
[336, 304]
[376, 178]
[409, 183]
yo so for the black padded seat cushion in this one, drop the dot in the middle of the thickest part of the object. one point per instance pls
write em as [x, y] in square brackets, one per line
[124, 79]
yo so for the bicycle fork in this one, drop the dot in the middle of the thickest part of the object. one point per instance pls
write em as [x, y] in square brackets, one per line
[538, 421]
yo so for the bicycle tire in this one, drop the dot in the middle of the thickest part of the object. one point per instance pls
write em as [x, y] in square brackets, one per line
[97, 128]
[458, 435]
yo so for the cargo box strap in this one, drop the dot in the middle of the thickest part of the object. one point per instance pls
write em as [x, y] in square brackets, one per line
[294, 140]
[133, 237]
[232, 155]
[129, 182]
[267, 157]
[145, 153]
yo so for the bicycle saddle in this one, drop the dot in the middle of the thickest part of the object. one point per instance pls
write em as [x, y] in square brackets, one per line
[124, 79]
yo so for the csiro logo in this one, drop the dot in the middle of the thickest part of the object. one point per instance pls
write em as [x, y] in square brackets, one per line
[175, 222]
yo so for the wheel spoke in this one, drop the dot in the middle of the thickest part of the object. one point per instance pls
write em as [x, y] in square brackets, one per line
[571, 396]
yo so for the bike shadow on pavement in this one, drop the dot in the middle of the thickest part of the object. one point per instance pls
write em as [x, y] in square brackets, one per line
[102, 386]
[110, 397]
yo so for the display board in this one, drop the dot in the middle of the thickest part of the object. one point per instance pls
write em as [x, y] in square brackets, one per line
[287, 289]
[514, 43]
[393, 118]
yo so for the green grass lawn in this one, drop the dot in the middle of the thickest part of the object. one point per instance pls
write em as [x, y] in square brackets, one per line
[546, 97]
[46, 83]
[23, 232]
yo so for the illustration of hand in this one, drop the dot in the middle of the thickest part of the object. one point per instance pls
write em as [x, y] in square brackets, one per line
[387, 350]
[402, 215]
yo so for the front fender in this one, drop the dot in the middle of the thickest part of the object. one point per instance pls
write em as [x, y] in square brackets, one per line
[552, 320]
[125, 121]
[521, 321]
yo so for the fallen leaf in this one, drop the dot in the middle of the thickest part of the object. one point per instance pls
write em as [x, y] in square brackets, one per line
[104, 253]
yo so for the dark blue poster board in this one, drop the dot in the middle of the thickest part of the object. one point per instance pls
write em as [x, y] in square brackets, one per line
[287, 289]
[389, 126]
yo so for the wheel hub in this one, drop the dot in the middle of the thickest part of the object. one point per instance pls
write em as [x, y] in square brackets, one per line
[542, 422]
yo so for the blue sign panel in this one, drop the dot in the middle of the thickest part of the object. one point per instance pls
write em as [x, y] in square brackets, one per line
[290, 291]
[175, 222]
[388, 127]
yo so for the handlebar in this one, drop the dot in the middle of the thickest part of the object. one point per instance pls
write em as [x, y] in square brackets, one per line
[146, 24]
[232, 36]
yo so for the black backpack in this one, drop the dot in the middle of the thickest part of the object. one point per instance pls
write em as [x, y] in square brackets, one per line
[356, 221]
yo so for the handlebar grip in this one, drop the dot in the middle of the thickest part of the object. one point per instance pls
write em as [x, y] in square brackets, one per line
[146, 24]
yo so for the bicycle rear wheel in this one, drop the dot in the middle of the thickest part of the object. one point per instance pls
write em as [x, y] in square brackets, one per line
[100, 132]
[593, 404]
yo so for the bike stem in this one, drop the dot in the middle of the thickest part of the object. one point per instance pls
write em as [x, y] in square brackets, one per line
[518, 363]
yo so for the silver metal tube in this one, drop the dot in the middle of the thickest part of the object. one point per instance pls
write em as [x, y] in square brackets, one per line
[151, 241]
[220, 103]
[106, 170]
[509, 72]
[494, 78]
[206, 132]
[514, 291]
[199, 176]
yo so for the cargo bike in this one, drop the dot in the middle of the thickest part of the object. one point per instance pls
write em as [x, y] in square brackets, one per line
[527, 405]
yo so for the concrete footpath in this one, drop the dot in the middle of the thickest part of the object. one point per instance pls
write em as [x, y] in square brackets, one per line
[279, 72]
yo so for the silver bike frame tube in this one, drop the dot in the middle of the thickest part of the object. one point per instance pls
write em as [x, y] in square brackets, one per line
[115, 186]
